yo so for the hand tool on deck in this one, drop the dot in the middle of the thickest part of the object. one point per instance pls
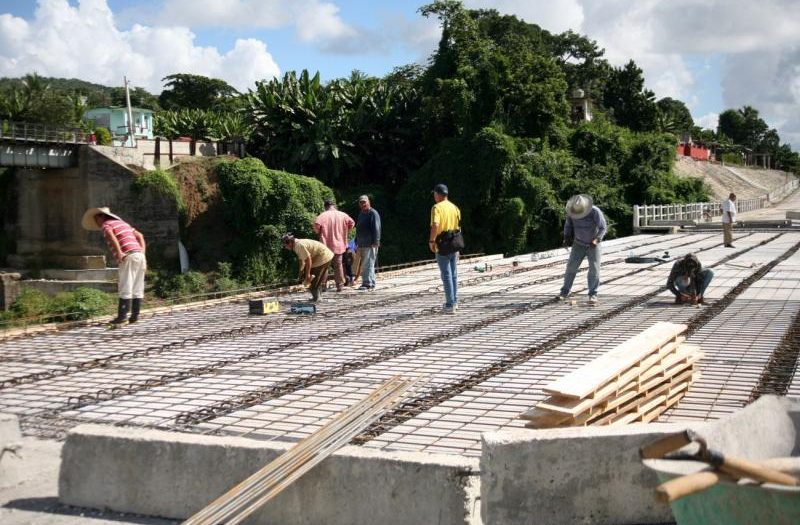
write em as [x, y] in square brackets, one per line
[723, 467]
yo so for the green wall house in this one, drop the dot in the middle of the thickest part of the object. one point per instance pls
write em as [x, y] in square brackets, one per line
[115, 118]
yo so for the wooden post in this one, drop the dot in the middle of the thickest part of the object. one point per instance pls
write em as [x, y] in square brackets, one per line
[170, 151]
[157, 160]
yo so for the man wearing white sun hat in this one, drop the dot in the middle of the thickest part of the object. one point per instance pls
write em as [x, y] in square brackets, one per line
[128, 248]
[584, 228]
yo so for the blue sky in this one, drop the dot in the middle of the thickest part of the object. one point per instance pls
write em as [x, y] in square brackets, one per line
[712, 54]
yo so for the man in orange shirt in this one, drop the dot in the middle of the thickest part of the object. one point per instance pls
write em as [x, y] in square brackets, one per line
[333, 227]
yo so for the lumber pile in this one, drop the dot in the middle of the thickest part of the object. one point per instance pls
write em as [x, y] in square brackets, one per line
[635, 381]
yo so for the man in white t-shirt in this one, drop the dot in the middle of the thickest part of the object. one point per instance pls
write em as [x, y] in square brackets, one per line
[728, 219]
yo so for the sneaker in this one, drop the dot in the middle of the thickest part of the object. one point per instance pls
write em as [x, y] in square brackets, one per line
[592, 299]
[363, 287]
[448, 310]
[561, 297]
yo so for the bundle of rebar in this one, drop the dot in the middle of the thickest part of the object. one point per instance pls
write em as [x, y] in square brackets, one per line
[248, 496]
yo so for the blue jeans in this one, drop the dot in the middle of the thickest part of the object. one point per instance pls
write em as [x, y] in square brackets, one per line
[701, 285]
[447, 268]
[576, 255]
[368, 257]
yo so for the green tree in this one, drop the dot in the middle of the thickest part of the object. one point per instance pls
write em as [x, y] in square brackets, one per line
[743, 126]
[673, 116]
[626, 98]
[185, 91]
[140, 98]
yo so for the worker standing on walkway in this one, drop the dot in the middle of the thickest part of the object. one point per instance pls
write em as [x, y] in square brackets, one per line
[584, 228]
[315, 258]
[128, 248]
[688, 280]
[728, 220]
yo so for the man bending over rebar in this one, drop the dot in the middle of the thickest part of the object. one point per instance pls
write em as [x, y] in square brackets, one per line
[688, 280]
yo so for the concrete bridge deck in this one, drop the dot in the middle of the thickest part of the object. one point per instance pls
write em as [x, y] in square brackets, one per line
[216, 370]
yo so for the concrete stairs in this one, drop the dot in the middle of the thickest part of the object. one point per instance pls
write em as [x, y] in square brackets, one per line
[53, 281]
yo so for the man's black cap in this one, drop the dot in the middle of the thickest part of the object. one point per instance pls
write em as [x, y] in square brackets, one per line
[441, 189]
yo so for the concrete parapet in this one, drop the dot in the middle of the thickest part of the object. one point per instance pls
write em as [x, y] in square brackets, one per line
[10, 438]
[570, 475]
[594, 474]
[174, 475]
[9, 289]
[793, 215]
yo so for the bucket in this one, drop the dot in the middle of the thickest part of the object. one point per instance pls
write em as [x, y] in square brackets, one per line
[730, 503]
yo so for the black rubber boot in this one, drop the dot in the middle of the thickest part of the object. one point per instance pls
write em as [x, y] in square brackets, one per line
[135, 307]
[122, 312]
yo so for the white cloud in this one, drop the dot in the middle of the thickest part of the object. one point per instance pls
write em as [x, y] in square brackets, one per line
[707, 121]
[554, 16]
[83, 41]
[314, 20]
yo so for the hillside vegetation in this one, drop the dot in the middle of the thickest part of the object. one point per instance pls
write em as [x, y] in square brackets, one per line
[489, 115]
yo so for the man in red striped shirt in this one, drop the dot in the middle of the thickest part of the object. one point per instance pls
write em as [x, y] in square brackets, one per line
[128, 248]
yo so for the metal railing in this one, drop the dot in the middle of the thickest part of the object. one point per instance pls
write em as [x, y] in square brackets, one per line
[42, 133]
[652, 214]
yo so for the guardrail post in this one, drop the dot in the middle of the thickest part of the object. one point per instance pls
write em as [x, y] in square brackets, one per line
[635, 218]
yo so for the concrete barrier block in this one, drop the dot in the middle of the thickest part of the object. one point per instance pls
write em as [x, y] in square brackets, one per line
[793, 215]
[594, 474]
[173, 475]
[10, 439]
[571, 475]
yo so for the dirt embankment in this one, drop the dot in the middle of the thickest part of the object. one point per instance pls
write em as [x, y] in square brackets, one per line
[203, 227]
[746, 183]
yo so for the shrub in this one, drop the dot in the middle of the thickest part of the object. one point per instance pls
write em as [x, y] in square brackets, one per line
[167, 285]
[733, 158]
[31, 303]
[103, 136]
[82, 303]
[160, 182]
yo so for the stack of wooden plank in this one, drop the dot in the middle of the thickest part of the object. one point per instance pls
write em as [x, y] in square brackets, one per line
[635, 381]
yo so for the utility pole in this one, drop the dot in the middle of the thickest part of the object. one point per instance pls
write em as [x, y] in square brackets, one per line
[131, 127]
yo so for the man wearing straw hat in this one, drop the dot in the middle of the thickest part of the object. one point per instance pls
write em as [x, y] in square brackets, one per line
[128, 248]
[584, 228]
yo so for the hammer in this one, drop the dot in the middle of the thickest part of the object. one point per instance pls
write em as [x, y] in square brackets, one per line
[723, 466]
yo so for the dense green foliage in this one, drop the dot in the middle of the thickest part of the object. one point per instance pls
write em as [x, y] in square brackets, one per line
[490, 115]
[260, 205]
[160, 182]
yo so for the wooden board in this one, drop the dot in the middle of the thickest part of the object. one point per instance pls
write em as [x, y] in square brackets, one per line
[593, 375]
[678, 373]
[616, 407]
[636, 409]
[653, 365]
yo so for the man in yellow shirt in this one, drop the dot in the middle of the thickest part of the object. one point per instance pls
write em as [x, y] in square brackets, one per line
[314, 257]
[445, 218]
